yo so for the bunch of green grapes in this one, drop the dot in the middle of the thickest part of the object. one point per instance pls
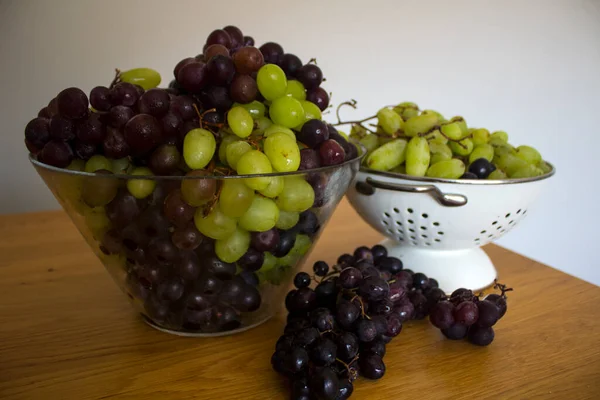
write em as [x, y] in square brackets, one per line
[417, 142]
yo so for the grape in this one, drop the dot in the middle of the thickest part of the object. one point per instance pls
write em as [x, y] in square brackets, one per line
[317, 96]
[197, 191]
[98, 162]
[466, 313]
[235, 151]
[489, 314]
[193, 77]
[441, 315]
[310, 76]
[297, 195]
[456, 332]
[184, 107]
[199, 146]
[290, 63]
[260, 216]
[420, 124]
[141, 188]
[99, 191]
[114, 144]
[118, 116]
[177, 210]
[234, 246]
[417, 156]
[311, 111]
[313, 133]
[72, 103]
[37, 132]
[526, 153]
[265, 241]
[309, 159]
[482, 168]
[389, 121]
[462, 148]
[287, 111]
[124, 94]
[482, 151]
[500, 302]
[287, 220]
[255, 162]
[528, 171]
[219, 36]
[220, 70]
[142, 133]
[214, 50]
[324, 384]
[145, 77]
[509, 163]
[99, 98]
[481, 336]
[272, 52]
[62, 128]
[84, 150]
[448, 169]
[388, 156]
[56, 153]
[243, 89]
[248, 60]
[165, 159]
[155, 102]
[283, 152]
[216, 97]
[480, 136]
[226, 140]
[452, 131]
[91, 130]
[302, 279]
[236, 36]
[235, 197]
[296, 90]
[215, 225]
[240, 121]
[255, 108]
[76, 165]
[500, 136]
[331, 153]
[271, 82]
[275, 187]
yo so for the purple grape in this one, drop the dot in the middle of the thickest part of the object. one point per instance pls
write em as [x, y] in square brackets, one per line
[290, 64]
[155, 102]
[119, 115]
[272, 52]
[56, 153]
[313, 133]
[114, 144]
[216, 97]
[142, 133]
[91, 130]
[220, 70]
[248, 41]
[193, 77]
[37, 132]
[183, 106]
[441, 315]
[72, 103]
[219, 36]
[319, 97]
[456, 332]
[252, 260]
[62, 128]
[236, 36]
[310, 75]
[331, 153]
[371, 366]
[466, 313]
[481, 336]
[489, 314]
[182, 64]
[84, 150]
[123, 94]
[350, 277]
[265, 241]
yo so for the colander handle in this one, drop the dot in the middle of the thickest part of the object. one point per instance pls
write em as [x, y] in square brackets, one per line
[445, 199]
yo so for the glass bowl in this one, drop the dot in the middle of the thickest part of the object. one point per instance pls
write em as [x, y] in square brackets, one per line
[173, 274]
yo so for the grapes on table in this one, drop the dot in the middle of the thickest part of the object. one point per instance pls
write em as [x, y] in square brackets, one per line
[203, 222]
[423, 143]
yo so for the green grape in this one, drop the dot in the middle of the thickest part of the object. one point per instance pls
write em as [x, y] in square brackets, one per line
[240, 122]
[97, 162]
[499, 143]
[141, 188]
[452, 131]
[287, 219]
[235, 151]
[370, 142]
[544, 166]
[407, 110]
[255, 162]
[439, 152]
[286, 111]
[528, 171]
[121, 165]
[261, 216]
[497, 174]
[408, 104]
[447, 169]
[226, 141]
[311, 111]
[462, 148]
[262, 124]
[256, 108]
[96, 220]
[279, 129]
[400, 169]
[297, 195]
[99, 190]
[233, 247]
[235, 197]
[482, 151]
[283, 152]
[439, 116]
[199, 146]
[343, 134]
[436, 137]
[271, 81]
[287, 260]
[529, 154]
[417, 156]
[269, 263]
[510, 163]
[301, 246]
[296, 90]
[358, 131]
[480, 136]
[462, 124]
[500, 135]
[77, 165]
[389, 121]
[215, 225]
[381, 140]
[420, 124]
[275, 187]
[388, 156]
[145, 77]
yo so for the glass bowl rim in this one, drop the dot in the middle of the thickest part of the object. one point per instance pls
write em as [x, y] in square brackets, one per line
[426, 179]
[327, 168]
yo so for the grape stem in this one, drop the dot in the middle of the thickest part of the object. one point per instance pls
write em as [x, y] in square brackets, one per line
[351, 372]
[116, 79]
[502, 288]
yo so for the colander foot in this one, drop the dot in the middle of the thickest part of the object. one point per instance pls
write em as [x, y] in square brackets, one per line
[453, 269]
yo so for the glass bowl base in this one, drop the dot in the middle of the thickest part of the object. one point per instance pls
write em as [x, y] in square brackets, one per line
[203, 334]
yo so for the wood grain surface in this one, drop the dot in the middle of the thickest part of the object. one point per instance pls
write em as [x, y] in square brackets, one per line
[67, 332]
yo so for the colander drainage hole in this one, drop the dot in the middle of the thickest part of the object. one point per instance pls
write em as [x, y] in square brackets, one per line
[507, 215]
[511, 222]
[386, 214]
[424, 215]
[424, 236]
[519, 211]
[436, 224]
[396, 210]
[412, 237]
[428, 244]
[410, 210]
[414, 243]
[437, 240]
[390, 231]
[502, 231]
[410, 221]
[401, 239]
[499, 227]
[490, 236]
[494, 223]
[524, 212]
[440, 233]
[398, 223]
[424, 228]
[412, 230]
[400, 231]
[384, 222]
[483, 231]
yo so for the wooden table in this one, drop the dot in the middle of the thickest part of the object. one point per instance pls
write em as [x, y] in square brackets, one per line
[67, 332]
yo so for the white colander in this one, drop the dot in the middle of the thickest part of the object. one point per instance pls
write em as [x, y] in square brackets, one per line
[437, 226]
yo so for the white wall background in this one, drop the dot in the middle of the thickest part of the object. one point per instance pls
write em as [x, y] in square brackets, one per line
[530, 67]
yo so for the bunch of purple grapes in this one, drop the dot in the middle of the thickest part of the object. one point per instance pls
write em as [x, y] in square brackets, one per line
[466, 315]
[339, 330]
